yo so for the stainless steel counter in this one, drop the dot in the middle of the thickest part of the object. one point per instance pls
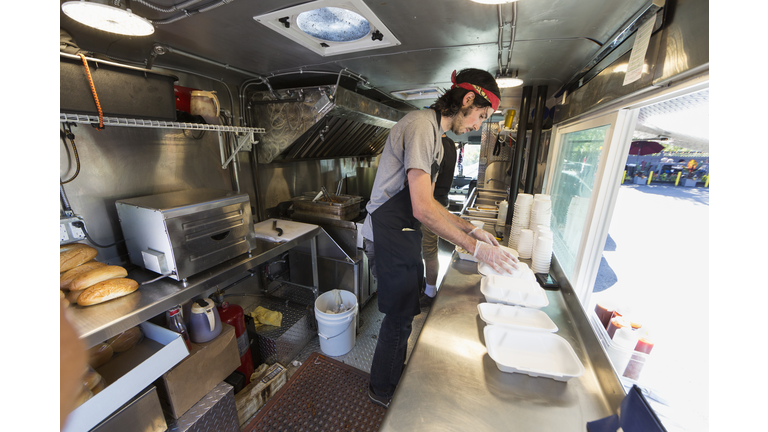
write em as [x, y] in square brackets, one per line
[98, 323]
[451, 384]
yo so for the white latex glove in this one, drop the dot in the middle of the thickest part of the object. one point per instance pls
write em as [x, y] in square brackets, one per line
[499, 259]
[484, 236]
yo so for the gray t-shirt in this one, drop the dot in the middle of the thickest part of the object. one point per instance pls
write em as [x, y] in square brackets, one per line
[414, 142]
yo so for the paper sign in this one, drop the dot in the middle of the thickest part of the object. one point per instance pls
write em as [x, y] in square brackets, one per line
[637, 58]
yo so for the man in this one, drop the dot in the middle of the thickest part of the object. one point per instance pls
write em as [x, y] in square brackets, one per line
[402, 199]
[430, 241]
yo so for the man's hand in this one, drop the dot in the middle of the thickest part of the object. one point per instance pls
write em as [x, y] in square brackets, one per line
[484, 236]
[499, 259]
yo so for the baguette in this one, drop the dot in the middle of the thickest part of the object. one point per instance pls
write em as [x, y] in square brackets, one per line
[66, 278]
[72, 296]
[75, 256]
[107, 290]
[94, 276]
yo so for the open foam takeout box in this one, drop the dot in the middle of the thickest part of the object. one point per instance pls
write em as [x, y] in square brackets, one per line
[513, 291]
[538, 354]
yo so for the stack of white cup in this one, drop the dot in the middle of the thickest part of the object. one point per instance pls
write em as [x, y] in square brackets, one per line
[541, 210]
[542, 256]
[525, 244]
[521, 218]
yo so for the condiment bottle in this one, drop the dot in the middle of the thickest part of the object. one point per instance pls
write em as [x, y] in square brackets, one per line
[616, 322]
[176, 323]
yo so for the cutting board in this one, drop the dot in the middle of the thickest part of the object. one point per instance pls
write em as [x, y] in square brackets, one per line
[291, 230]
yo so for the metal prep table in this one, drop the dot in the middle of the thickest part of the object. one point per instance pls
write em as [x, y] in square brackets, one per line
[451, 384]
[95, 324]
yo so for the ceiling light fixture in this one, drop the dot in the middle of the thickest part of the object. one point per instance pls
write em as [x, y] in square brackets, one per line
[108, 18]
[508, 81]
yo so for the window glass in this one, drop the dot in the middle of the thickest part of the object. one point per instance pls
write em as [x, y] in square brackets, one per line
[575, 172]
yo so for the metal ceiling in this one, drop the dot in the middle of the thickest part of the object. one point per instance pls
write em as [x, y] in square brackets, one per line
[553, 41]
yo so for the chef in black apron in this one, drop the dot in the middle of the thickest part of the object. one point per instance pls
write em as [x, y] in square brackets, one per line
[412, 155]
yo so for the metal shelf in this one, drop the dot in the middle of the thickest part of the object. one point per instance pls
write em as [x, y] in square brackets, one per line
[95, 324]
[157, 124]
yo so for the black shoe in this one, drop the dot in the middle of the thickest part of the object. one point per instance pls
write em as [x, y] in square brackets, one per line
[425, 301]
[378, 400]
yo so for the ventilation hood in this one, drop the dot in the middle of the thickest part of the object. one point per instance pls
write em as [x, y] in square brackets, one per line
[325, 122]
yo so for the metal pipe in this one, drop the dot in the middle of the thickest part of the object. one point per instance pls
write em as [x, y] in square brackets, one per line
[254, 173]
[511, 38]
[522, 125]
[171, 9]
[533, 153]
[213, 62]
[501, 32]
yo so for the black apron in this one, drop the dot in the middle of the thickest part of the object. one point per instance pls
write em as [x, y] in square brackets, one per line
[397, 251]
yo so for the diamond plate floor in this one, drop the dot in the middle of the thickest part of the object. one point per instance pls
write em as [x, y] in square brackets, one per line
[324, 395]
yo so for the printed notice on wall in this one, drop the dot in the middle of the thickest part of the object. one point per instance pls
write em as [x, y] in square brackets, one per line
[637, 58]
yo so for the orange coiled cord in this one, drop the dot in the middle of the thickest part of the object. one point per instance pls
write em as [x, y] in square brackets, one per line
[93, 90]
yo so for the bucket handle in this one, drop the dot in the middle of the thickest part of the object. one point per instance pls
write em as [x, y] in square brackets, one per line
[352, 317]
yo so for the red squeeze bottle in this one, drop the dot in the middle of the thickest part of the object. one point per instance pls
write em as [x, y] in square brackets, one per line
[635, 366]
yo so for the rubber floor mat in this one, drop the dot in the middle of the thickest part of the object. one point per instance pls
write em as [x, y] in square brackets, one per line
[322, 395]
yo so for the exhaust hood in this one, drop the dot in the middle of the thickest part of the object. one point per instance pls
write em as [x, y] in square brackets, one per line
[325, 122]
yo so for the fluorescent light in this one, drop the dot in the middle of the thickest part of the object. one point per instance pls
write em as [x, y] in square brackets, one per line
[107, 18]
[507, 82]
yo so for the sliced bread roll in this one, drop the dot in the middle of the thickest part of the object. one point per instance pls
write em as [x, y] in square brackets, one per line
[94, 276]
[75, 256]
[68, 276]
[107, 290]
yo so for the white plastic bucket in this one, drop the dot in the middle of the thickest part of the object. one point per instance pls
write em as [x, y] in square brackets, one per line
[336, 331]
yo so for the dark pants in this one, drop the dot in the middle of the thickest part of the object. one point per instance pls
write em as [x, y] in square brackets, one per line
[391, 350]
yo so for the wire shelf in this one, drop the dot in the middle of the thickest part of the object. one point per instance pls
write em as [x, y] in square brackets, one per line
[158, 124]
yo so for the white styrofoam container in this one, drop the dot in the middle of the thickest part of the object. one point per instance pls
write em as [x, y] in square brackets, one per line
[464, 254]
[516, 317]
[513, 291]
[537, 354]
[121, 390]
[523, 271]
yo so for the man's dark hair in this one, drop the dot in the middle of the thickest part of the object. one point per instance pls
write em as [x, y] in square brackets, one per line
[450, 103]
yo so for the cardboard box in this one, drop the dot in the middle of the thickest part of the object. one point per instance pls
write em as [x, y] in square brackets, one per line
[206, 366]
[257, 393]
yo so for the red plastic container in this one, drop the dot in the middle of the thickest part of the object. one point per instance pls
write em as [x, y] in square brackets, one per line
[183, 96]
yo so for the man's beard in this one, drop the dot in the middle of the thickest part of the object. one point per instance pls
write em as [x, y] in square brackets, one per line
[458, 120]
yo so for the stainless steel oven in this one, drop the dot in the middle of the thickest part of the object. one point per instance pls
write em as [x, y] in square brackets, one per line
[185, 232]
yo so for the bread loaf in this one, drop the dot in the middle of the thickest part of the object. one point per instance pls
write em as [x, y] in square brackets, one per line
[94, 276]
[107, 290]
[75, 256]
[66, 278]
[99, 355]
[126, 340]
[72, 296]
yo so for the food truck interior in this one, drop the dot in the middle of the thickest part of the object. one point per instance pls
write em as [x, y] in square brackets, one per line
[223, 152]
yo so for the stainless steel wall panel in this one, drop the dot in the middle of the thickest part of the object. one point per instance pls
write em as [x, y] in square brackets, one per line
[118, 163]
[684, 40]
